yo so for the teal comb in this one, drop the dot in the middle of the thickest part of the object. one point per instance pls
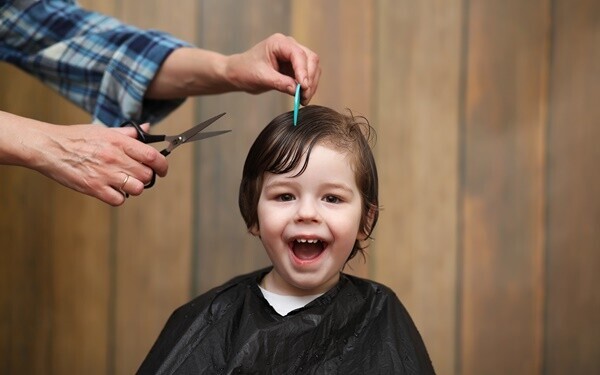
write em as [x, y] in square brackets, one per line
[296, 104]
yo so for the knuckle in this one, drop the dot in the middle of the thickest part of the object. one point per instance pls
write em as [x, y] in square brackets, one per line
[138, 189]
[150, 154]
[278, 36]
[146, 175]
[142, 152]
[106, 155]
[93, 187]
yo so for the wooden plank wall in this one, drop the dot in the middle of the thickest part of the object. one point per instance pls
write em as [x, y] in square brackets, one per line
[416, 115]
[502, 187]
[487, 149]
[572, 327]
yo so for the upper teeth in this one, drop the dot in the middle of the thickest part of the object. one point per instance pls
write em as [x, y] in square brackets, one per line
[305, 240]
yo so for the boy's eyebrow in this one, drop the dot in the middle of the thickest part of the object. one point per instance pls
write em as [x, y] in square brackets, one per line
[278, 182]
[289, 181]
[341, 186]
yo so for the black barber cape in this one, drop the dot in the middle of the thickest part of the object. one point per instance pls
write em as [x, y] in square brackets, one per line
[357, 327]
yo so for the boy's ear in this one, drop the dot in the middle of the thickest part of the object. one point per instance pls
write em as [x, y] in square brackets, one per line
[254, 230]
[362, 236]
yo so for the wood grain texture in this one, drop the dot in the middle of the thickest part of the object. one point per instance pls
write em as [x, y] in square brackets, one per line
[503, 188]
[416, 103]
[80, 283]
[24, 270]
[573, 300]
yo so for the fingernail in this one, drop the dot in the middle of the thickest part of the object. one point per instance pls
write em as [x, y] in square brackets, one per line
[291, 90]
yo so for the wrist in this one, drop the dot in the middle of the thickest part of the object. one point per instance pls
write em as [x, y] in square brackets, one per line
[231, 72]
[190, 72]
[19, 137]
[218, 77]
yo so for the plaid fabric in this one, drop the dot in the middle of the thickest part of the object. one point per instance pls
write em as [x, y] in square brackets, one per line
[95, 61]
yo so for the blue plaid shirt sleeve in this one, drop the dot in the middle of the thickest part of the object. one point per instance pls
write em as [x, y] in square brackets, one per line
[97, 62]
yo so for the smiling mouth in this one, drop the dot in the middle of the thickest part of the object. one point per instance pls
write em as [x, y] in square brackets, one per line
[307, 249]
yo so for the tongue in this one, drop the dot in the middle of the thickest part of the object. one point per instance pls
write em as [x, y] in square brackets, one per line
[307, 251]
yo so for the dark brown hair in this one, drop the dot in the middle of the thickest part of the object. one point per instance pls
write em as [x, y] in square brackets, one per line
[281, 147]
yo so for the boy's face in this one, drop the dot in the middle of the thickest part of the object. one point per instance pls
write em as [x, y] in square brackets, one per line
[308, 224]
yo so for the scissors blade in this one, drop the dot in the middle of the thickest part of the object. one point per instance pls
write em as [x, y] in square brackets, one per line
[198, 128]
[205, 135]
[177, 140]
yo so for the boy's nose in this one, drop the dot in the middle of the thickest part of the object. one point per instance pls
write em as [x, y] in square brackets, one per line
[307, 211]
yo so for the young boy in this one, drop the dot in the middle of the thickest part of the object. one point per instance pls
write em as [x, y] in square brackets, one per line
[309, 192]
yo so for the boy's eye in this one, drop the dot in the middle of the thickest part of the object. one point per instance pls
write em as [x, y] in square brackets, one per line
[332, 199]
[285, 197]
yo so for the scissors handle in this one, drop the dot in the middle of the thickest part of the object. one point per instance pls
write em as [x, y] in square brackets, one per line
[143, 136]
[146, 138]
[165, 152]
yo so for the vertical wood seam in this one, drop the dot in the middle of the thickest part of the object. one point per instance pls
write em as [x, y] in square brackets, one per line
[371, 266]
[196, 217]
[543, 343]
[111, 326]
[461, 128]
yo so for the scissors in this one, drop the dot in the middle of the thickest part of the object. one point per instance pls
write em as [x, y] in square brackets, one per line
[190, 135]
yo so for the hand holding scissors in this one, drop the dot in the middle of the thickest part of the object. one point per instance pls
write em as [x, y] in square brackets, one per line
[174, 141]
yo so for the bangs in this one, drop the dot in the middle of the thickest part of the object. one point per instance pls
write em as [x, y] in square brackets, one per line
[290, 155]
[287, 146]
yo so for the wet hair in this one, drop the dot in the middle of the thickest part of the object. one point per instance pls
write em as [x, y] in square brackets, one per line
[281, 147]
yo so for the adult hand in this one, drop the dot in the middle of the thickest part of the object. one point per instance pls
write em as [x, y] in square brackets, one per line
[92, 159]
[278, 62]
